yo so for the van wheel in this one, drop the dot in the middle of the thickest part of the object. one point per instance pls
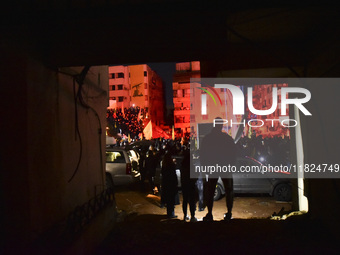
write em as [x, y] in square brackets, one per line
[218, 192]
[283, 192]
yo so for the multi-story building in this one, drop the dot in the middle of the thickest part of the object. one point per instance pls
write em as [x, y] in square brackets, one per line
[137, 86]
[181, 95]
[262, 100]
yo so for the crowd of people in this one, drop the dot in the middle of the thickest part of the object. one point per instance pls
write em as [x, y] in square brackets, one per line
[274, 151]
[161, 153]
[127, 121]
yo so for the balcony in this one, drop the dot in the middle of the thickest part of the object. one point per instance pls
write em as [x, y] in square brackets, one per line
[118, 93]
[182, 111]
[182, 125]
[177, 86]
[181, 100]
[177, 113]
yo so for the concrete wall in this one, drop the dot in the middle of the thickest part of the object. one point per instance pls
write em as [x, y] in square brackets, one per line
[321, 136]
[40, 148]
[320, 132]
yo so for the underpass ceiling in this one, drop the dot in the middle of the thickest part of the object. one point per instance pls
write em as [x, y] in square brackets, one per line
[249, 36]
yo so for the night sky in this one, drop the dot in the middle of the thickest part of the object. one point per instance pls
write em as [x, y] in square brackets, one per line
[166, 72]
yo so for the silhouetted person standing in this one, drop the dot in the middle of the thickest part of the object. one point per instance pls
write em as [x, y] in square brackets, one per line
[169, 184]
[218, 148]
[151, 162]
[188, 188]
[142, 170]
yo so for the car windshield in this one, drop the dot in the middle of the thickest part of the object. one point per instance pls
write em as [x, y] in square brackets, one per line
[114, 157]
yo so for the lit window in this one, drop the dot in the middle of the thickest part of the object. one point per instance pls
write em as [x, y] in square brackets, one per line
[115, 157]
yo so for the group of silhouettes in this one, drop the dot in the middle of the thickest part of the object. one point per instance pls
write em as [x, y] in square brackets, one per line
[217, 148]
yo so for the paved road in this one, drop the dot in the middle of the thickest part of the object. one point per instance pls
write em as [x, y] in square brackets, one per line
[132, 201]
[142, 228]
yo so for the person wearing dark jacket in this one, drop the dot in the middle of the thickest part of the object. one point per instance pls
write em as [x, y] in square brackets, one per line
[188, 188]
[151, 162]
[218, 148]
[169, 184]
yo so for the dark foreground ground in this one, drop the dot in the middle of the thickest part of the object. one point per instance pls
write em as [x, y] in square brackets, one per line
[142, 228]
[153, 234]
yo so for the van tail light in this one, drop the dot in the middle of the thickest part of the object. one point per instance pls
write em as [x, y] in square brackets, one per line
[128, 168]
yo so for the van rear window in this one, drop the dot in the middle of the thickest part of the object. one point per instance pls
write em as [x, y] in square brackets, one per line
[115, 157]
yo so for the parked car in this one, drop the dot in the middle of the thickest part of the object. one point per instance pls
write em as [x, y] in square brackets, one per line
[138, 149]
[279, 188]
[121, 166]
[135, 157]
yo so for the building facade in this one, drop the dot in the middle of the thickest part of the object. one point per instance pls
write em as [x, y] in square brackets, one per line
[181, 95]
[239, 125]
[137, 86]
